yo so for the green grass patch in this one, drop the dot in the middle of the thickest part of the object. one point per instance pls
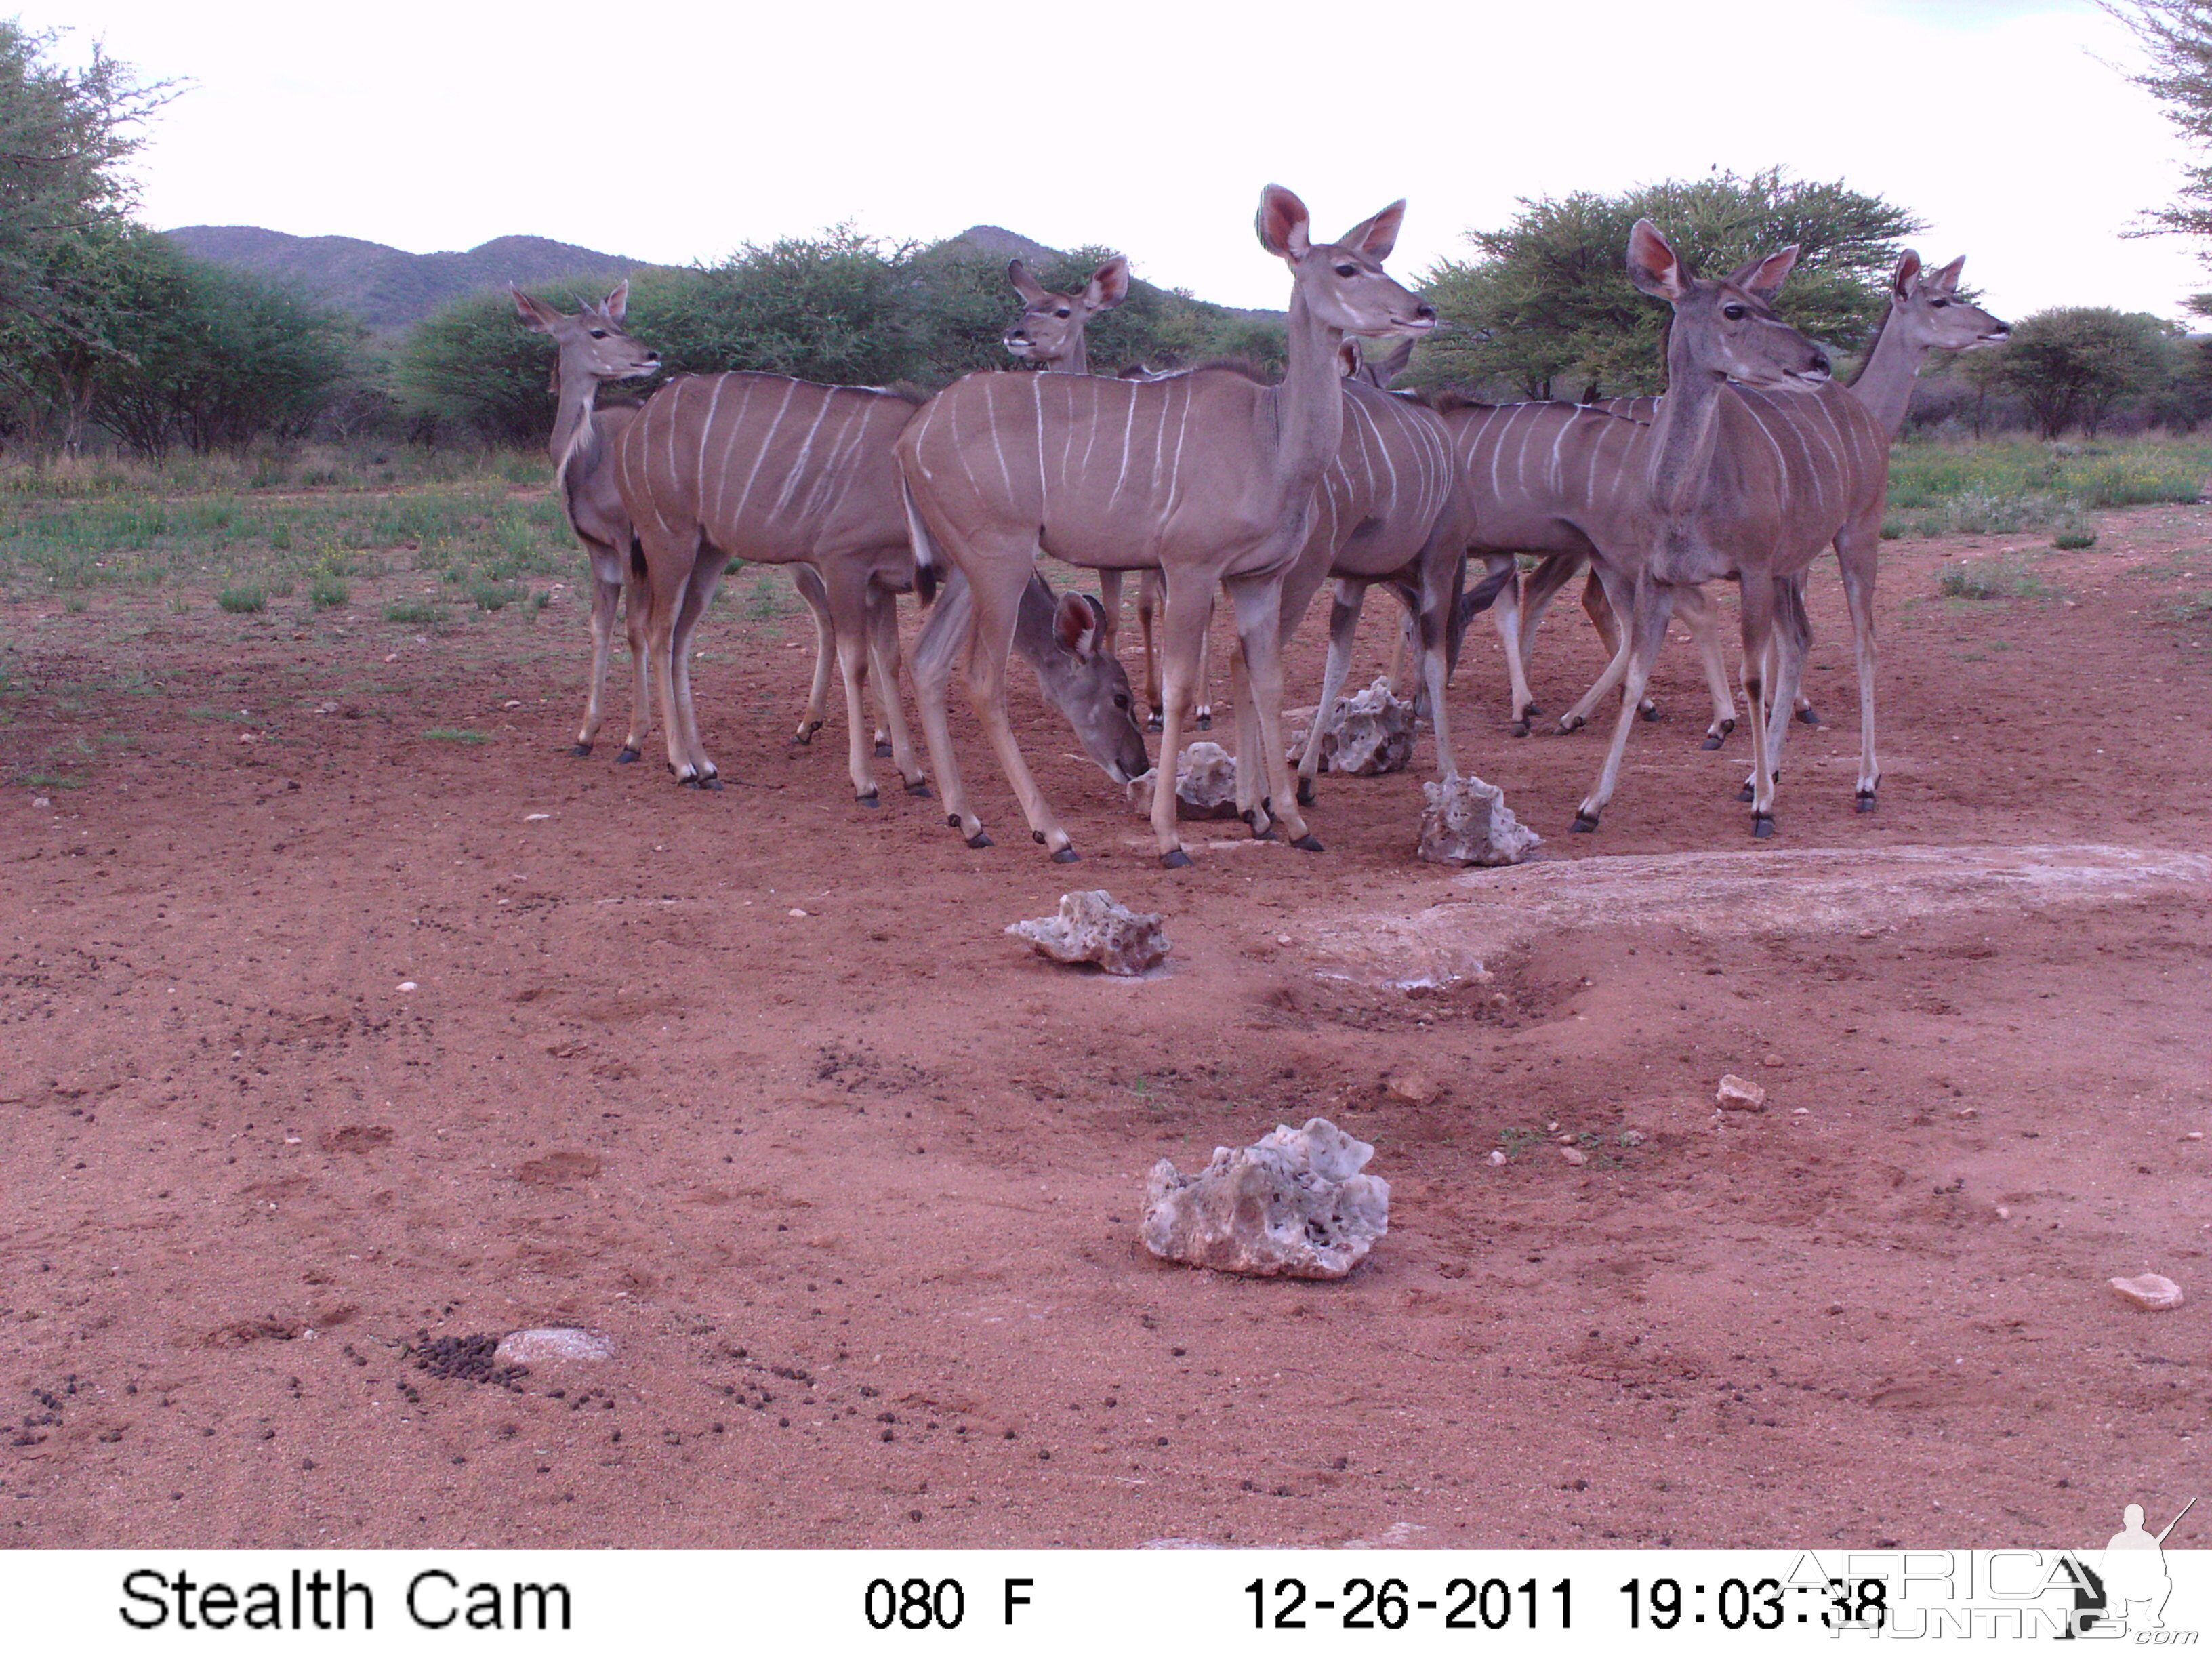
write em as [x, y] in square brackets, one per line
[497, 596]
[2072, 541]
[415, 613]
[243, 600]
[2002, 576]
[54, 781]
[329, 593]
[456, 734]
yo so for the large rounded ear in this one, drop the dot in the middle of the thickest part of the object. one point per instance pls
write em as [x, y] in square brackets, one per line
[1652, 265]
[1110, 285]
[616, 304]
[1349, 358]
[1900, 281]
[1947, 279]
[1076, 624]
[1281, 222]
[1027, 286]
[1376, 237]
[537, 316]
[1762, 278]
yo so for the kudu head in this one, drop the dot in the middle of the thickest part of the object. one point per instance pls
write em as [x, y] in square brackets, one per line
[1343, 284]
[1049, 331]
[1725, 328]
[593, 345]
[1926, 306]
[1359, 364]
[1084, 679]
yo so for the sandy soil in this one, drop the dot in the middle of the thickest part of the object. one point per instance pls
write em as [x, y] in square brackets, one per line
[855, 1190]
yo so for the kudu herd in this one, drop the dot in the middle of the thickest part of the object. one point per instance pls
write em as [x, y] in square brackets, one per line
[1213, 481]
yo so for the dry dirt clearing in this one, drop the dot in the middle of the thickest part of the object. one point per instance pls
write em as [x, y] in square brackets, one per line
[753, 1082]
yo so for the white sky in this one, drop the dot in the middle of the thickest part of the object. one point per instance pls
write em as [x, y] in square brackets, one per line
[674, 132]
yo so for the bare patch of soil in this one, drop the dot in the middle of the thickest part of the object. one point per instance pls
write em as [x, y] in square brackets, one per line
[855, 1192]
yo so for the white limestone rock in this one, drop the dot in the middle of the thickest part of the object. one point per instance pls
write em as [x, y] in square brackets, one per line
[1366, 735]
[553, 1345]
[1092, 927]
[1467, 821]
[2152, 1292]
[1293, 1204]
[1206, 785]
[1739, 1094]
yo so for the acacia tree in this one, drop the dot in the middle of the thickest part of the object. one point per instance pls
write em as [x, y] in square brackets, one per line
[2073, 364]
[1547, 305]
[2176, 36]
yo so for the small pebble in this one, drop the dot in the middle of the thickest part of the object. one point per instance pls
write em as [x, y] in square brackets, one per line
[1574, 1154]
[2003, 1214]
[1632, 1136]
[794, 911]
[2194, 1134]
[1772, 1060]
[1801, 1111]
[41, 800]
[1282, 938]
[536, 817]
[2149, 1291]
[1496, 1159]
[512, 703]
[1412, 1087]
[1967, 1111]
[1737, 1094]
[407, 985]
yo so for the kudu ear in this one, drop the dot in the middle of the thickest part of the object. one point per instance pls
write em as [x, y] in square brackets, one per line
[1394, 364]
[537, 316]
[616, 304]
[1652, 265]
[1947, 279]
[1110, 285]
[1762, 278]
[1376, 237]
[1900, 281]
[1027, 286]
[1282, 223]
[1349, 358]
[1076, 624]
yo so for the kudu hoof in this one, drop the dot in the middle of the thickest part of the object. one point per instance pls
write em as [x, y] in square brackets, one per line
[1177, 859]
[628, 757]
[806, 732]
[1762, 825]
[1744, 794]
[1728, 727]
[1154, 723]
[1864, 802]
[1810, 716]
[1269, 834]
[1519, 728]
[1067, 856]
[870, 799]
[979, 840]
[883, 752]
[1574, 723]
[712, 780]
[1713, 740]
[1648, 710]
[1306, 843]
[1205, 720]
[1305, 792]
[580, 750]
[919, 789]
[1584, 824]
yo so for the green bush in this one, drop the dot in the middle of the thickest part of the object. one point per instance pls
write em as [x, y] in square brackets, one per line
[416, 613]
[329, 593]
[243, 599]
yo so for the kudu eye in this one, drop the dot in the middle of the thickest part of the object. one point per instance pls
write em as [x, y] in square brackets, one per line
[1347, 271]
[1121, 701]
[1734, 313]
[598, 334]
[1063, 312]
[1937, 305]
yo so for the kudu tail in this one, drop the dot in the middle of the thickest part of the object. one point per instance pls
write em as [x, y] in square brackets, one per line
[925, 552]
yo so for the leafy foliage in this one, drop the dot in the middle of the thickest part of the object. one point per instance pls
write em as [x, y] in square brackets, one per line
[1547, 305]
[2177, 34]
[2071, 365]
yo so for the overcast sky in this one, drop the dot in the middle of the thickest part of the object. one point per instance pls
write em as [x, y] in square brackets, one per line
[672, 132]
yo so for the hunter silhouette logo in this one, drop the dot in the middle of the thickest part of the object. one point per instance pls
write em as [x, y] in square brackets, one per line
[2136, 1580]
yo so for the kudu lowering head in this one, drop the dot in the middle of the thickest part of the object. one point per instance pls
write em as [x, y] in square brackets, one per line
[592, 343]
[1372, 368]
[1343, 283]
[1049, 331]
[1726, 327]
[1084, 680]
[1927, 306]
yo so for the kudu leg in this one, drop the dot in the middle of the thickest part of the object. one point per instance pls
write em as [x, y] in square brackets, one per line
[1259, 611]
[997, 597]
[1856, 551]
[1439, 598]
[1148, 602]
[1110, 597]
[1761, 654]
[944, 637]
[1648, 606]
[849, 614]
[697, 595]
[884, 664]
[808, 582]
[1537, 591]
[1343, 628]
[607, 598]
[1702, 617]
[1619, 600]
[635, 605]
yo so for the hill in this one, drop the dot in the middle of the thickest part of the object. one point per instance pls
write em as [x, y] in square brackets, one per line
[387, 288]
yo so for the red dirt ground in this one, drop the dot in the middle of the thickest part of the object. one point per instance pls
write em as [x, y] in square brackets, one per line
[855, 1190]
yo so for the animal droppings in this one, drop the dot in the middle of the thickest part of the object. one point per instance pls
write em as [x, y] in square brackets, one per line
[2149, 1291]
[1467, 821]
[1092, 927]
[1737, 1094]
[554, 1345]
[1292, 1205]
[1206, 785]
[1366, 735]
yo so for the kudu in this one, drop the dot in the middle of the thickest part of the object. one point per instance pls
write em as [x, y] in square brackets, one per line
[1755, 462]
[1209, 477]
[783, 471]
[594, 346]
[1051, 332]
[1923, 314]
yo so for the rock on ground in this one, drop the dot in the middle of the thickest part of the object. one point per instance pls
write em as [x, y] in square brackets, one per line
[1092, 927]
[1206, 785]
[1293, 1204]
[1467, 821]
[2152, 1292]
[1737, 1094]
[553, 1344]
[1366, 735]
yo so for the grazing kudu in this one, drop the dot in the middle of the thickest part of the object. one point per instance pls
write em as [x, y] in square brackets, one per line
[594, 346]
[1755, 462]
[1923, 314]
[1208, 477]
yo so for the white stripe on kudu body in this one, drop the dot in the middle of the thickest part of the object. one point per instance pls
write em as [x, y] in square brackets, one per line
[1241, 521]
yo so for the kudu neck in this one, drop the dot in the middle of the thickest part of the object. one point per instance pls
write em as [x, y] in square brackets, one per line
[1884, 382]
[572, 416]
[1077, 362]
[1310, 402]
[1685, 426]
